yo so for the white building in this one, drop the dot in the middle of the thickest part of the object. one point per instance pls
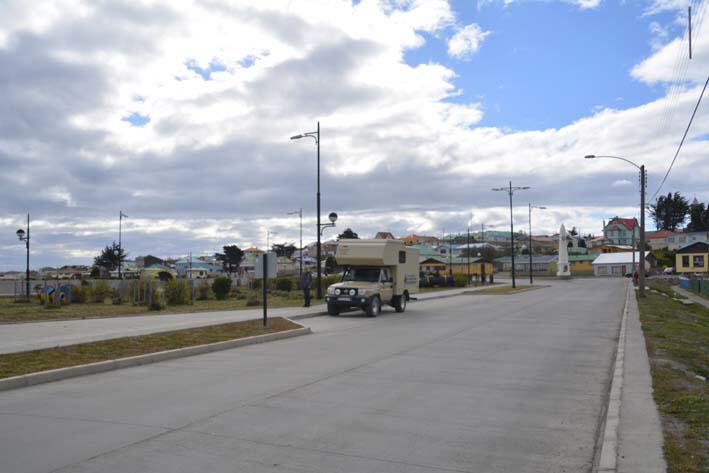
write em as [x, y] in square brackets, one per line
[620, 264]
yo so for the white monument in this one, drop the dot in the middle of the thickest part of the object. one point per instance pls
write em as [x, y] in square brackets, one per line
[563, 263]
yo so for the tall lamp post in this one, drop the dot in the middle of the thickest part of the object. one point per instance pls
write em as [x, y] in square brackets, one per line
[299, 212]
[121, 215]
[26, 238]
[316, 136]
[511, 190]
[268, 239]
[540, 207]
[643, 185]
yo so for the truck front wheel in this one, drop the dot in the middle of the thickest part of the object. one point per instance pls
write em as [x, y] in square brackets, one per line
[400, 303]
[332, 309]
[374, 307]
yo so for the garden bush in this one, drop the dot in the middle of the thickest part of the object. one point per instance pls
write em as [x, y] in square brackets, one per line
[284, 284]
[221, 287]
[203, 291]
[460, 280]
[80, 294]
[178, 291]
[100, 292]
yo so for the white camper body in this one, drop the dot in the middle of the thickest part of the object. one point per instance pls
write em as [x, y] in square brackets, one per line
[377, 272]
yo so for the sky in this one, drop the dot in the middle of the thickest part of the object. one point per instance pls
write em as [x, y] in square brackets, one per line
[179, 114]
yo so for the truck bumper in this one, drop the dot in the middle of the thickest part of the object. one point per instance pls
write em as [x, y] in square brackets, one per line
[348, 301]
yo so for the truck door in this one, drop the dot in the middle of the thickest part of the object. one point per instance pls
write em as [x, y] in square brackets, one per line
[387, 285]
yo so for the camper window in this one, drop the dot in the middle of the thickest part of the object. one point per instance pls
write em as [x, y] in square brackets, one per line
[362, 274]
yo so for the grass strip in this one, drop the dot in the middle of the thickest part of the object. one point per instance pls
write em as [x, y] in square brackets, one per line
[664, 288]
[493, 291]
[15, 364]
[12, 312]
[677, 338]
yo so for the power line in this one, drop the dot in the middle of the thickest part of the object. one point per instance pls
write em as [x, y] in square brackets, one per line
[683, 138]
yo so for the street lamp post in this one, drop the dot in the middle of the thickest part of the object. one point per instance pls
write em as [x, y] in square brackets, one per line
[316, 136]
[121, 215]
[268, 239]
[299, 212]
[541, 207]
[26, 238]
[643, 185]
[511, 190]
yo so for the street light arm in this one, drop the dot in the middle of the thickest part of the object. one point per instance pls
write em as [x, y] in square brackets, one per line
[593, 156]
[312, 134]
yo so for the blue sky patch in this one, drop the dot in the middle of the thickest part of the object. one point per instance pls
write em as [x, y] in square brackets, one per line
[136, 119]
[206, 73]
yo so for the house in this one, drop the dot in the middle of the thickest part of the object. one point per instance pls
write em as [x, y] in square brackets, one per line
[620, 264]
[184, 265]
[384, 236]
[597, 241]
[620, 231]
[681, 239]
[456, 265]
[147, 261]
[545, 264]
[658, 240]
[545, 244]
[581, 264]
[693, 258]
[414, 239]
[611, 249]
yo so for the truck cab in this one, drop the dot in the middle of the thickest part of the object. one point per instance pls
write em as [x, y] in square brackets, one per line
[377, 272]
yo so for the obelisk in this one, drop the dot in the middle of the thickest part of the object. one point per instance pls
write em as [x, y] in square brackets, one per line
[563, 263]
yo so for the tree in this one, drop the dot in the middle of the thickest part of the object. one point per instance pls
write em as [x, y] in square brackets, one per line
[231, 258]
[110, 257]
[670, 211]
[698, 217]
[573, 231]
[330, 264]
[348, 234]
[283, 249]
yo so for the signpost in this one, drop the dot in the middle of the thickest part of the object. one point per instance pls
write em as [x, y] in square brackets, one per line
[265, 268]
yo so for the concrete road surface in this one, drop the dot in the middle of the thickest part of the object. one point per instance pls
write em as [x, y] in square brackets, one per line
[31, 336]
[466, 384]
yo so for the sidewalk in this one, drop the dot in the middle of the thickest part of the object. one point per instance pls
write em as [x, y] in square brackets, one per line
[691, 296]
[640, 431]
[32, 336]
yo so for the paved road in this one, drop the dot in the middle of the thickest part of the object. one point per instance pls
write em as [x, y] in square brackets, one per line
[465, 384]
[31, 336]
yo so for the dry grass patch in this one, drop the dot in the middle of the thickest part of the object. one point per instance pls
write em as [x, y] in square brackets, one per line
[15, 364]
[677, 338]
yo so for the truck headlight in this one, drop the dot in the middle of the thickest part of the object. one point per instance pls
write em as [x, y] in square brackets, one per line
[353, 292]
[337, 292]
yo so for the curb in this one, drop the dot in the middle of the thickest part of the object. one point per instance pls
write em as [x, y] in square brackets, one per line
[608, 432]
[110, 365]
[445, 296]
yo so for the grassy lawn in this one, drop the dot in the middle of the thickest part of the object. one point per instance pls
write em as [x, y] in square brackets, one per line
[677, 338]
[664, 288]
[492, 291]
[11, 311]
[15, 364]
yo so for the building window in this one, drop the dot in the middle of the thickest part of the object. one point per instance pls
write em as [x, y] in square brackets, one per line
[402, 257]
[698, 261]
[685, 261]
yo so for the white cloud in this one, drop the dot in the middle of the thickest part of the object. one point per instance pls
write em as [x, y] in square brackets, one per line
[214, 164]
[466, 41]
[582, 4]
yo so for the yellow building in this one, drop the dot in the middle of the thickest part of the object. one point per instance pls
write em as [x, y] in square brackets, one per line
[581, 264]
[457, 265]
[693, 258]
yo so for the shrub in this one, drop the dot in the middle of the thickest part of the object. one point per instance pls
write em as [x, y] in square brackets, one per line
[240, 297]
[178, 292]
[221, 287]
[203, 290]
[79, 294]
[100, 292]
[252, 301]
[460, 280]
[284, 284]
[116, 297]
[155, 295]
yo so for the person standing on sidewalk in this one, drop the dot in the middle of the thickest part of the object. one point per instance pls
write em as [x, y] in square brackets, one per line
[306, 282]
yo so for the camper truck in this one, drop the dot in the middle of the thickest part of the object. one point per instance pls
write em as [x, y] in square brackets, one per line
[376, 272]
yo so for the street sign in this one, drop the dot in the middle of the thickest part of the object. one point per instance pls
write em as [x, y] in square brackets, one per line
[271, 267]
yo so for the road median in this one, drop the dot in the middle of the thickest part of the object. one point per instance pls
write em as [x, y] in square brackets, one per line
[53, 364]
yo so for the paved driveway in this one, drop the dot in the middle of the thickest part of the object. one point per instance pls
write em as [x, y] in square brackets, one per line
[467, 384]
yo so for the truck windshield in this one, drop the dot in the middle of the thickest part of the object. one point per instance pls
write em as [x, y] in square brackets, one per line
[362, 274]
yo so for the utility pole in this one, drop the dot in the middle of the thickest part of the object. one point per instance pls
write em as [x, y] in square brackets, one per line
[641, 289]
[511, 190]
